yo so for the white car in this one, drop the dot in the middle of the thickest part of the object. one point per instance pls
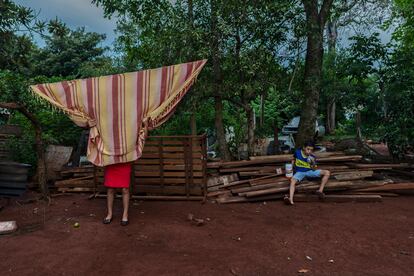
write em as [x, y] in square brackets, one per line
[293, 125]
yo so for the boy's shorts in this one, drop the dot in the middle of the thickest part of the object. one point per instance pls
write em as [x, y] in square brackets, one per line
[299, 176]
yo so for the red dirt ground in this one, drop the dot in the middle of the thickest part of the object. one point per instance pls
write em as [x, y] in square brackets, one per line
[240, 239]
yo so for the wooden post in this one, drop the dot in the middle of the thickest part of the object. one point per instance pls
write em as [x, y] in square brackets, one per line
[204, 162]
[193, 124]
[160, 153]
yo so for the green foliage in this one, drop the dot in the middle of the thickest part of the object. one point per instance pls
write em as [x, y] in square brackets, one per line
[399, 119]
[69, 53]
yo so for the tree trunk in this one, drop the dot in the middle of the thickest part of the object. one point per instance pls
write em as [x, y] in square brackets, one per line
[221, 134]
[40, 151]
[41, 162]
[250, 129]
[358, 126]
[333, 116]
[217, 85]
[331, 99]
[313, 67]
[261, 110]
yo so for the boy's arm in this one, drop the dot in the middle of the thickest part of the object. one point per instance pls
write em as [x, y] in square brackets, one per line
[313, 162]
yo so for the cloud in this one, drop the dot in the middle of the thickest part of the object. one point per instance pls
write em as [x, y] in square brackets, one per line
[75, 13]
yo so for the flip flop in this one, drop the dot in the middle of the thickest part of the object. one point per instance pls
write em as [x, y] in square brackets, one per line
[321, 195]
[287, 200]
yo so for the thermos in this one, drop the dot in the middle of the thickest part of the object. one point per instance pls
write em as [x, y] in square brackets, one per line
[288, 170]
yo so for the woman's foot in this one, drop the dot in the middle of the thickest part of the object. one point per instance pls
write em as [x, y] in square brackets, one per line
[124, 222]
[107, 219]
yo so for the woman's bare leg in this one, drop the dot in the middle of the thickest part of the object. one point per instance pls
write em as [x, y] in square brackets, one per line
[125, 203]
[110, 202]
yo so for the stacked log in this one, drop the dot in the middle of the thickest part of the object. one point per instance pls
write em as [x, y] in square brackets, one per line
[78, 179]
[263, 178]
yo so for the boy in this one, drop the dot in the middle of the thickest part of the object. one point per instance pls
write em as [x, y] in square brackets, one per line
[304, 164]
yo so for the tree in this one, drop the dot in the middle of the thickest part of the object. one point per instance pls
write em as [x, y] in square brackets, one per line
[316, 19]
[68, 52]
[15, 45]
[229, 33]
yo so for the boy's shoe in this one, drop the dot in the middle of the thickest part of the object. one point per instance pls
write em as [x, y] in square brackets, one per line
[320, 194]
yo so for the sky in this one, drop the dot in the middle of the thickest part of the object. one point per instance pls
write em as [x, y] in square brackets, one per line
[75, 13]
[82, 13]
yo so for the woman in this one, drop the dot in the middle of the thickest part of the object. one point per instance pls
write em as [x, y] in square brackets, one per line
[117, 176]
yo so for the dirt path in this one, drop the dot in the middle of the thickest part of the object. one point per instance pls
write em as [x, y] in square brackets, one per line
[242, 239]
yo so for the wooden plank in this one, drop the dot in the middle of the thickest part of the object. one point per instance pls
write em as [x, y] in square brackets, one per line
[313, 186]
[288, 157]
[165, 141]
[377, 166]
[389, 187]
[80, 184]
[259, 173]
[157, 180]
[165, 174]
[219, 193]
[243, 190]
[169, 161]
[352, 175]
[339, 158]
[160, 198]
[148, 155]
[338, 198]
[249, 169]
[233, 199]
[148, 149]
[235, 164]
[88, 169]
[270, 180]
[76, 190]
[154, 180]
[173, 167]
[179, 190]
[248, 181]
[73, 180]
[224, 179]
[147, 168]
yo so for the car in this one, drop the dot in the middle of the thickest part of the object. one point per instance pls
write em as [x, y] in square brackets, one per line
[286, 144]
[293, 126]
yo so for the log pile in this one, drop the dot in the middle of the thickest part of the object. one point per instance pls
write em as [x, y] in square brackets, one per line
[78, 179]
[263, 178]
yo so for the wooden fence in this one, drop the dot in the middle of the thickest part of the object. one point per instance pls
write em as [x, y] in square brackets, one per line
[170, 166]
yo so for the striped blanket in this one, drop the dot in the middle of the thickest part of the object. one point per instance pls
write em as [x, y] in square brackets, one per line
[120, 109]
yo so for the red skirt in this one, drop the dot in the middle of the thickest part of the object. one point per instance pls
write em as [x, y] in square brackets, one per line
[118, 175]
